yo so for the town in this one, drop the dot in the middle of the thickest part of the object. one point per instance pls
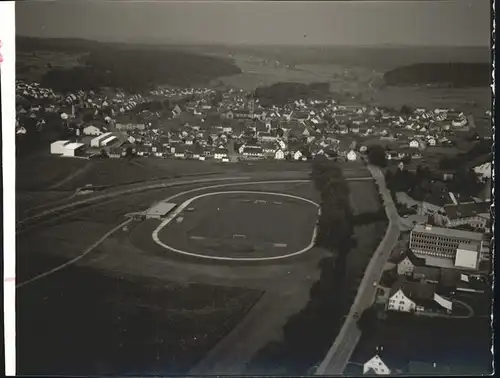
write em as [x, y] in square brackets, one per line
[444, 253]
[230, 126]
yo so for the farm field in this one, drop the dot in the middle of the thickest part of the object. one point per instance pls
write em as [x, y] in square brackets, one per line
[144, 326]
[41, 172]
[32, 66]
[363, 197]
[243, 225]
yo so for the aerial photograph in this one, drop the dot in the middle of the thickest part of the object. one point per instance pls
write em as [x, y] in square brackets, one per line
[253, 188]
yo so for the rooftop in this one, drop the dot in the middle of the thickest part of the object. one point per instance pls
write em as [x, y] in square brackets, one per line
[449, 232]
[467, 210]
[73, 146]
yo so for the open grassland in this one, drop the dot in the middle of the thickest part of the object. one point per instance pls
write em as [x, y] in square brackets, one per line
[110, 324]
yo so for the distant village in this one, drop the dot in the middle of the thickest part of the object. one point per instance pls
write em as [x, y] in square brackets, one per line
[232, 129]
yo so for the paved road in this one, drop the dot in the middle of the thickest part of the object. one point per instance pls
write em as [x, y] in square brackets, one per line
[345, 343]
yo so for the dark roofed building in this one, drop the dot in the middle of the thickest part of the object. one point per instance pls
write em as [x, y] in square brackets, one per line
[427, 274]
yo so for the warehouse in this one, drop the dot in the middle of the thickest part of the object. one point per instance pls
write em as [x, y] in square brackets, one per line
[96, 142]
[108, 141]
[160, 210]
[74, 149]
[57, 147]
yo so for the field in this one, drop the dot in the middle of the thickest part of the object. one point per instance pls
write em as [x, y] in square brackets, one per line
[363, 197]
[110, 324]
[31, 66]
[242, 225]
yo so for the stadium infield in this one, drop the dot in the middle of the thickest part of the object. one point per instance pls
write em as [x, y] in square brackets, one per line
[242, 224]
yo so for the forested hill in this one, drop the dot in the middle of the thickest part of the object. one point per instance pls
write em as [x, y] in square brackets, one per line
[284, 93]
[446, 74]
[131, 67]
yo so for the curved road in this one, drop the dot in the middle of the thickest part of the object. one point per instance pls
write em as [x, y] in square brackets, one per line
[339, 354]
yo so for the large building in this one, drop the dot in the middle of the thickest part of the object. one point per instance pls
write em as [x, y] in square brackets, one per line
[445, 247]
[67, 148]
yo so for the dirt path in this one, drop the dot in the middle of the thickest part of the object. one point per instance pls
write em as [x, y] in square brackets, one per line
[261, 325]
[67, 179]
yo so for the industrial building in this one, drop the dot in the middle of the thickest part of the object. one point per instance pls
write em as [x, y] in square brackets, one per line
[447, 248]
[67, 148]
[57, 147]
[160, 210]
[108, 141]
[97, 142]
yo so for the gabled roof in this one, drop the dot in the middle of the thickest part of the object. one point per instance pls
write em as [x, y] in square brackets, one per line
[466, 210]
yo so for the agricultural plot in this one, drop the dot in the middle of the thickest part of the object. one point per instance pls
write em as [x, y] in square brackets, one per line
[243, 225]
[43, 172]
[363, 197]
[143, 326]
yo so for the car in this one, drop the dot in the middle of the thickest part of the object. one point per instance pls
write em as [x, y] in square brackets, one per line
[405, 216]
[375, 283]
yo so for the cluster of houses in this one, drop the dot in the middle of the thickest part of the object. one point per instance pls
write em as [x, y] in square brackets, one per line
[234, 126]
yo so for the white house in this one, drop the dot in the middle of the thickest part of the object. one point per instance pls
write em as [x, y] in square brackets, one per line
[431, 142]
[398, 301]
[297, 155]
[351, 155]
[376, 365]
[279, 154]
[414, 143]
[92, 130]
[221, 153]
[483, 170]
[405, 266]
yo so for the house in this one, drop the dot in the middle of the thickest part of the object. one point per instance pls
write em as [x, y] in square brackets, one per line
[92, 130]
[252, 152]
[391, 155]
[297, 155]
[414, 143]
[352, 156]
[409, 263]
[427, 274]
[407, 296]
[176, 111]
[221, 153]
[475, 215]
[375, 365]
[268, 149]
[431, 142]
[279, 154]
[189, 141]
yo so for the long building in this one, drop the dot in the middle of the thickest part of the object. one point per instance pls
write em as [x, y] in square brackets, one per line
[447, 248]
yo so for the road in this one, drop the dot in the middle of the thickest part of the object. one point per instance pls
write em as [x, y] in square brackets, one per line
[339, 354]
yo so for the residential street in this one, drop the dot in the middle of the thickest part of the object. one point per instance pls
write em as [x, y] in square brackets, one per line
[345, 343]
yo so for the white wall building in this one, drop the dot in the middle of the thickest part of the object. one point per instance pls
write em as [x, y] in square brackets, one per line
[91, 130]
[96, 142]
[376, 365]
[73, 149]
[57, 147]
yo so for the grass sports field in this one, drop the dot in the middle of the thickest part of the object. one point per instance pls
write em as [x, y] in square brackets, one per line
[243, 225]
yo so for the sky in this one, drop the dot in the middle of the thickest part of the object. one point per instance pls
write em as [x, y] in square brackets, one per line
[403, 22]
